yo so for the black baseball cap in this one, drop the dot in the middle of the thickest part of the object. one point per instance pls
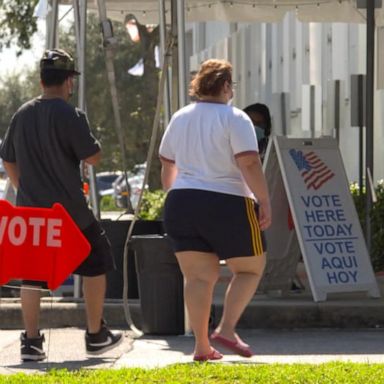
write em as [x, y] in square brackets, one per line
[58, 59]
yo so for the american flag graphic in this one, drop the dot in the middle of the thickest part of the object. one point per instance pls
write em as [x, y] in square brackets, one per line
[314, 172]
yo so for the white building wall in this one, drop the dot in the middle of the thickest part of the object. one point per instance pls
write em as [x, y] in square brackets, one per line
[215, 31]
[289, 56]
[255, 58]
[287, 46]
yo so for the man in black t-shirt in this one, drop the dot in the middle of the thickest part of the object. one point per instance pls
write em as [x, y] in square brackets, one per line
[41, 151]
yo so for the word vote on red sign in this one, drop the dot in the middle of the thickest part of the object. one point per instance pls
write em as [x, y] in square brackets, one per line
[42, 244]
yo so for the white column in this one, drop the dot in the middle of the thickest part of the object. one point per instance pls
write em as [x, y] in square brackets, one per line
[255, 60]
[341, 48]
[288, 45]
[326, 79]
[268, 64]
[315, 57]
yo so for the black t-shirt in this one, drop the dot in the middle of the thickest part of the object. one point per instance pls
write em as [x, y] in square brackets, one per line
[47, 138]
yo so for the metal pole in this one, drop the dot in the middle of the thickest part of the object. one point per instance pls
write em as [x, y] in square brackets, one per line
[360, 119]
[77, 27]
[369, 113]
[181, 67]
[175, 58]
[283, 105]
[181, 52]
[80, 48]
[337, 110]
[163, 38]
[82, 100]
[52, 34]
[312, 110]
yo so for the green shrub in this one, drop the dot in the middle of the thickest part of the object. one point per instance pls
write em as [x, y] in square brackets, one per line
[152, 205]
[107, 203]
[377, 222]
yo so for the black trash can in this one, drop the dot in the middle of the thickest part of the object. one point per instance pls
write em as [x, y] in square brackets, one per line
[117, 231]
[160, 285]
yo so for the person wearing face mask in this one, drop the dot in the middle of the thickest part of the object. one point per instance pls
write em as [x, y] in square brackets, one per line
[42, 150]
[217, 205]
[261, 119]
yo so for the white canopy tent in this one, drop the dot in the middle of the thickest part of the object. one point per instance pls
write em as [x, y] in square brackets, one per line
[177, 12]
[268, 11]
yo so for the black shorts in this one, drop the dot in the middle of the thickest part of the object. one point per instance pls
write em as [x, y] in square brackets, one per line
[99, 261]
[205, 221]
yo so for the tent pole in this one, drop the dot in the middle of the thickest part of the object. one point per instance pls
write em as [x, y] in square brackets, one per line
[181, 52]
[369, 117]
[175, 59]
[81, 51]
[163, 38]
[82, 98]
[80, 13]
[52, 25]
[77, 27]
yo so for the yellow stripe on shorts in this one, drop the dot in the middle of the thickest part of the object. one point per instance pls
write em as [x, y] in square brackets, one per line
[255, 229]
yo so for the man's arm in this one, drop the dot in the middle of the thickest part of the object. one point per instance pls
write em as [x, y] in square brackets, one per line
[94, 159]
[12, 172]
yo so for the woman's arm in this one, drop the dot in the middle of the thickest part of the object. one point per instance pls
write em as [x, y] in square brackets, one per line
[250, 167]
[168, 173]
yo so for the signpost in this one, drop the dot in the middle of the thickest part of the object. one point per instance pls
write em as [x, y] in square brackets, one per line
[324, 216]
[42, 244]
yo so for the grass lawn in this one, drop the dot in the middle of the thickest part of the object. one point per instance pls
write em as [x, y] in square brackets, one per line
[332, 373]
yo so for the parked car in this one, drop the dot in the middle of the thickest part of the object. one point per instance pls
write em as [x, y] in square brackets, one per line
[122, 192]
[3, 185]
[3, 174]
[3, 180]
[104, 182]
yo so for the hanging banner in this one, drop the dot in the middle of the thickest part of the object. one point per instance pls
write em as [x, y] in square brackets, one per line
[324, 217]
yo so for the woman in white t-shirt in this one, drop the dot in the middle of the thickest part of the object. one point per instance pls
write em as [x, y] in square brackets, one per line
[217, 205]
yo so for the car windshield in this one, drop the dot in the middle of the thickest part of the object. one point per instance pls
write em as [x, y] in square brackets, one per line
[108, 178]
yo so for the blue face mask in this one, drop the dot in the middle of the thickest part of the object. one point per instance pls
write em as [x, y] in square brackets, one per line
[259, 133]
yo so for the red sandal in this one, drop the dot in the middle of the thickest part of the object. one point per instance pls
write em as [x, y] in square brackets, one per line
[214, 355]
[235, 346]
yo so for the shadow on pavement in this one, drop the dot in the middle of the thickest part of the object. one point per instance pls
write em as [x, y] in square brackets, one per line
[72, 365]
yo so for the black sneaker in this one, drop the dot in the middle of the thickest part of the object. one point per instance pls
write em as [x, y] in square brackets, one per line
[103, 341]
[32, 349]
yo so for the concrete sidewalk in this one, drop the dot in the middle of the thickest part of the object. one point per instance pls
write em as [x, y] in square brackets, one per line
[65, 349]
[292, 329]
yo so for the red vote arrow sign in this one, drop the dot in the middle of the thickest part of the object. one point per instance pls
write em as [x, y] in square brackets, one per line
[41, 244]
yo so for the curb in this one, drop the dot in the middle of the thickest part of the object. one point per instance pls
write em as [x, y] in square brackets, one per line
[261, 313]
[56, 314]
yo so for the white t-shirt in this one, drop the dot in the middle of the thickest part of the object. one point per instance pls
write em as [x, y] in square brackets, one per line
[203, 139]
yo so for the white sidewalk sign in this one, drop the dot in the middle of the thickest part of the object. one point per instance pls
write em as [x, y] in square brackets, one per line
[323, 215]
